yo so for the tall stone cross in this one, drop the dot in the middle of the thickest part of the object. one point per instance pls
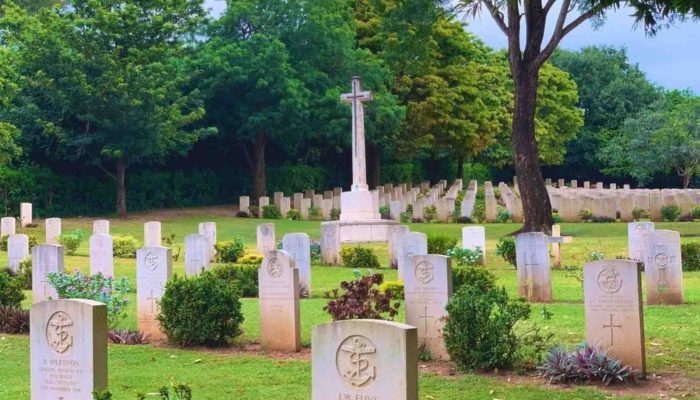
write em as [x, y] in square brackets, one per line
[359, 160]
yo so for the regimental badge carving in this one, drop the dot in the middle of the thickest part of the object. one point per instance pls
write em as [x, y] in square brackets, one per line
[609, 280]
[151, 261]
[274, 268]
[424, 272]
[265, 230]
[59, 332]
[356, 361]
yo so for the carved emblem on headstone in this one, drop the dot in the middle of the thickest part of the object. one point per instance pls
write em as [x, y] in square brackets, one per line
[151, 261]
[609, 280]
[355, 360]
[274, 268]
[59, 332]
[424, 272]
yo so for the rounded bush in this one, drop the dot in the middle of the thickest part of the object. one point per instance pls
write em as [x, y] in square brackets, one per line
[11, 294]
[293, 215]
[124, 246]
[506, 249]
[201, 310]
[229, 251]
[271, 212]
[359, 258]
[690, 254]
[242, 276]
[670, 213]
[440, 244]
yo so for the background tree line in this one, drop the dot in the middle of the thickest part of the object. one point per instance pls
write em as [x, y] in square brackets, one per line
[177, 109]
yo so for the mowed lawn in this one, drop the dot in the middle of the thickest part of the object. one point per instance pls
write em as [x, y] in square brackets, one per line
[671, 332]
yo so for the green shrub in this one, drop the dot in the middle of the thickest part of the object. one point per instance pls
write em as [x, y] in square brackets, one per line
[670, 213]
[406, 217]
[201, 310]
[14, 320]
[639, 213]
[272, 212]
[556, 217]
[335, 214]
[506, 249]
[480, 330]
[242, 276]
[585, 214]
[361, 299]
[466, 257]
[24, 274]
[30, 238]
[440, 244]
[71, 241]
[476, 277]
[124, 246]
[395, 288]
[502, 214]
[315, 213]
[229, 251]
[385, 212]
[293, 215]
[359, 258]
[315, 250]
[429, 214]
[696, 212]
[11, 294]
[585, 364]
[251, 259]
[254, 211]
[690, 254]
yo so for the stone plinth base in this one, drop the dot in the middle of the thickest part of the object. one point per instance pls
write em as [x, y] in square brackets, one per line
[375, 230]
[359, 206]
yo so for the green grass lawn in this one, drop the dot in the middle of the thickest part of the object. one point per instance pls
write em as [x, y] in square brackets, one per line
[672, 347]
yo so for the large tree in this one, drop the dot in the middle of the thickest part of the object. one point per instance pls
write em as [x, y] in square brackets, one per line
[103, 81]
[525, 24]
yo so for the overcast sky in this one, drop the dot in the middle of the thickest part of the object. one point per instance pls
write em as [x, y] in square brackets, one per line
[670, 59]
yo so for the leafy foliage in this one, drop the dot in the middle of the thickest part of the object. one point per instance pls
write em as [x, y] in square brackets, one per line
[243, 277]
[71, 240]
[585, 364]
[395, 287]
[466, 257]
[13, 320]
[357, 257]
[124, 246]
[361, 299]
[201, 310]
[670, 213]
[127, 337]
[229, 251]
[272, 212]
[440, 244]
[11, 294]
[505, 248]
[690, 254]
[294, 215]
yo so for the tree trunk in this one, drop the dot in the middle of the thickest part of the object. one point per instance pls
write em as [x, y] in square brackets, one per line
[460, 166]
[376, 160]
[259, 179]
[537, 209]
[121, 188]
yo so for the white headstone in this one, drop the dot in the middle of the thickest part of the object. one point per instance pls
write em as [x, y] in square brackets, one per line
[614, 316]
[266, 238]
[638, 239]
[427, 290]
[46, 258]
[474, 237]
[396, 234]
[330, 243]
[68, 349]
[17, 251]
[663, 268]
[7, 226]
[25, 214]
[534, 275]
[413, 243]
[53, 230]
[100, 226]
[197, 254]
[280, 329]
[364, 360]
[151, 234]
[244, 204]
[101, 255]
[154, 267]
[298, 245]
[208, 229]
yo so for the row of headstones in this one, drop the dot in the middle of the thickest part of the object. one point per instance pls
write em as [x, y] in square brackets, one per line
[439, 196]
[7, 224]
[350, 359]
[511, 200]
[658, 250]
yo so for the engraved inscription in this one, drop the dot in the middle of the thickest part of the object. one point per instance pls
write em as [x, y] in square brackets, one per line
[151, 261]
[274, 268]
[424, 272]
[356, 361]
[609, 280]
[59, 332]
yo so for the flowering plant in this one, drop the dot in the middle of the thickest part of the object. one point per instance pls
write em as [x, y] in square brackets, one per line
[106, 290]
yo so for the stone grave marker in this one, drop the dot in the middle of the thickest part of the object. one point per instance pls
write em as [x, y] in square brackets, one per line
[17, 251]
[534, 275]
[100, 226]
[101, 255]
[196, 254]
[244, 204]
[427, 289]
[614, 317]
[8, 226]
[152, 234]
[46, 258]
[412, 243]
[285, 206]
[68, 349]
[364, 360]
[208, 229]
[265, 239]
[396, 233]
[53, 230]
[25, 214]
[474, 237]
[638, 239]
[154, 267]
[557, 240]
[279, 303]
[298, 245]
[330, 243]
[663, 268]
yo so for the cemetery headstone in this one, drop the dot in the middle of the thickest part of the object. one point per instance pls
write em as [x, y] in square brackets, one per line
[396, 233]
[68, 349]
[17, 251]
[53, 230]
[208, 229]
[638, 239]
[8, 226]
[614, 317]
[427, 289]
[298, 245]
[412, 244]
[100, 226]
[534, 275]
[197, 252]
[330, 243]
[364, 360]
[46, 258]
[244, 204]
[279, 303]
[154, 267]
[265, 239]
[474, 237]
[663, 268]
[25, 214]
[101, 255]
[151, 234]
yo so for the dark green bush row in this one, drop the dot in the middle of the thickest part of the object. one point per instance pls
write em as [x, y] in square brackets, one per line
[690, 254]
[440, 244]
[243, 277]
